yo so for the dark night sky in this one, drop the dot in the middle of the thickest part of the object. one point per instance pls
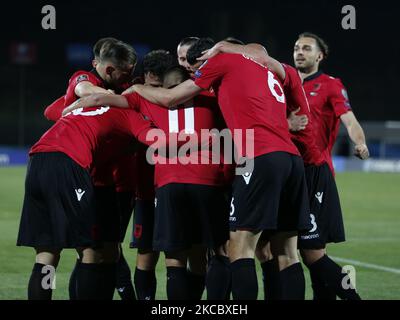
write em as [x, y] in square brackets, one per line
[365, 59]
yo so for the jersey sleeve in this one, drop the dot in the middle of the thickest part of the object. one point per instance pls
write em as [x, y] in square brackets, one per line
[339, 98]
[139, 126]
[294, 92]
[296, 98]
[77, 78]
[54, 110]
[133, 101]
[210, 72]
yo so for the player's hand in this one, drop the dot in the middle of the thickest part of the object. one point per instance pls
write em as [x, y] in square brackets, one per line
[361, 151]
[71, 108]
[297, 122]
[110, 91]
[207, 54]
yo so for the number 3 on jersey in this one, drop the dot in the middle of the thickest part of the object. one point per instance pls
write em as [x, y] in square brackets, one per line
[272, 82]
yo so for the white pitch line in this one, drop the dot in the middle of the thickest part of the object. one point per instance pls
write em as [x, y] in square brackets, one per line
[367, 265]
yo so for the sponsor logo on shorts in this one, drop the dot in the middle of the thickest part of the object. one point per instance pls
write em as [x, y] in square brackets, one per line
[310, 236]
[79, 193]
[319, 196]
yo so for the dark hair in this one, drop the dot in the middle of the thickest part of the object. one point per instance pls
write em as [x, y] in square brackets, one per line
[188, 41]
[196, 49]
[233, 40]
[180, 71]
[320, 42]
[157, 62]
[117, 52]
[99, 44]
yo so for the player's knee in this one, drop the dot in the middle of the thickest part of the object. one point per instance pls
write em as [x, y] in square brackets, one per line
[47, 256]
[284, 249]
[176, 259]
[147, 259]
[242, 245]
[222, 250]
[263, 252]
[311, 256]
[89, 255]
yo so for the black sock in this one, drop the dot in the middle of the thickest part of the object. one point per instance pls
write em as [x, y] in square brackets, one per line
[35, 287]
[95, 281]
[196, 284]
[331, 273]
[177, 283]
[292, 283]
[270, 280]
[145, 284]
[244, 280]
[72, 281]
[321, 290]
[218, 278]
[124, 280]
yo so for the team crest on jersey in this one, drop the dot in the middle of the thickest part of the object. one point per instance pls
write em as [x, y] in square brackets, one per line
[197, 74]
[82, 77]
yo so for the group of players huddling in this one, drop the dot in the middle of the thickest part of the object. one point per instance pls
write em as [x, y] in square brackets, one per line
[90, 171]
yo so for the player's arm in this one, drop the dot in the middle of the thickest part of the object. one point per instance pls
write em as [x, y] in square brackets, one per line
[169, 98]
[86, 88]
[296, 100]
[356, 134]
[98, 99]
[253, 50]
[54, 110]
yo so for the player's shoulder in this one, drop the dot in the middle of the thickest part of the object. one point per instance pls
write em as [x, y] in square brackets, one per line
[331, 79]
[82, 75]
[333, 83]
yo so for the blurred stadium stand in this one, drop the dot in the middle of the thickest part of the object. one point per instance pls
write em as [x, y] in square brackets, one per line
[35, 64]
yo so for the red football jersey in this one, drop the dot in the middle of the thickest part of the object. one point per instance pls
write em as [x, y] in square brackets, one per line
[328, 100]
[80, 76]
[201, 115]
[82, 134]
[54, 110]
[103, 173]
[250, 97]
[296, 98]
[125, 174]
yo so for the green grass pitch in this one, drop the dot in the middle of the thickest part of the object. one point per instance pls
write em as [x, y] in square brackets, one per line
[371, 206]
